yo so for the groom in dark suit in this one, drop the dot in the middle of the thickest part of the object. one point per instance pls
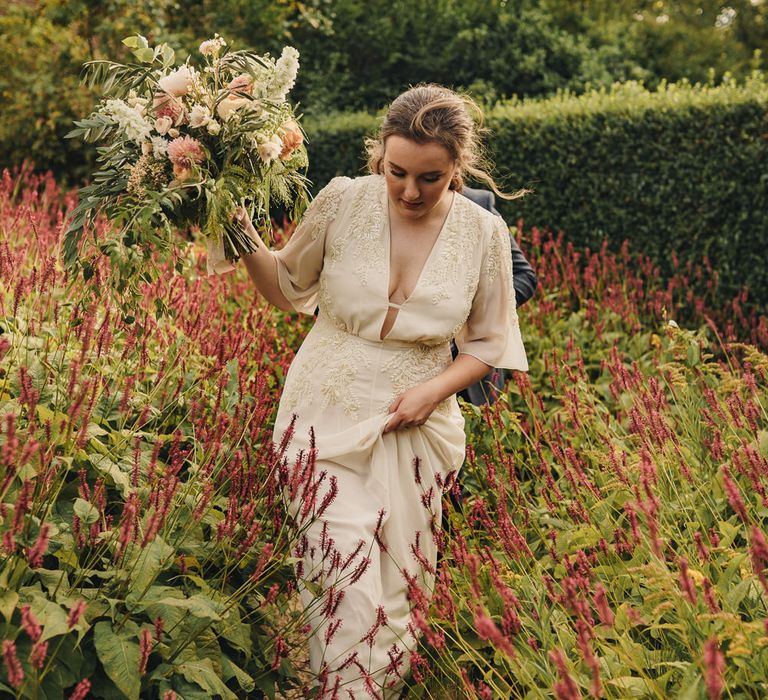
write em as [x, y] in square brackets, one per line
[525, 281]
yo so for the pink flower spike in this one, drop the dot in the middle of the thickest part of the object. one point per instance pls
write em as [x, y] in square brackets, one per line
[37, 654]
[75, 613]
[30, 623]
[12, 665]
[565, 688]
[714, 667]
[145, 648]
[35, 554]
[81, 690]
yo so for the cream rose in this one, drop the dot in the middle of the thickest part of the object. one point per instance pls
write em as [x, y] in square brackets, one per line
[199, 116]
[228, 105]
[177, 82]
[270, 149]
[163, 124]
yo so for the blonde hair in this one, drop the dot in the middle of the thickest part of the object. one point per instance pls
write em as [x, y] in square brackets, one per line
[434, 114]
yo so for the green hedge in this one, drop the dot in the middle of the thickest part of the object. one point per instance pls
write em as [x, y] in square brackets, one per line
[681, 169]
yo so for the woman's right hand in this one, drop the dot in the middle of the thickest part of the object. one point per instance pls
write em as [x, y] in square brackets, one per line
[241, 216]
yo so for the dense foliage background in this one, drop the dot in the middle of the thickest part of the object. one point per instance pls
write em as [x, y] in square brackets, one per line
[358, 54]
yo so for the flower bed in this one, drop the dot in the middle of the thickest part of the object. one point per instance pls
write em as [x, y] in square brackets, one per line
[610, 540]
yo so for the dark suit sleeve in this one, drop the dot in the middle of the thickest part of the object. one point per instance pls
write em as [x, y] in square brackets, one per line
[523, 276]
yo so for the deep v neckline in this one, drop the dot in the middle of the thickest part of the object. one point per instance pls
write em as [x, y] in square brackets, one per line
[424, 267]
[428, 259]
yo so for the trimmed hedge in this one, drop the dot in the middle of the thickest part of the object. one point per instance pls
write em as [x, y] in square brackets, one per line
[684, 168]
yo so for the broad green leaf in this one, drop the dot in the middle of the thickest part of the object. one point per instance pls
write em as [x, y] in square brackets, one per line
[118, 651]
[135, 42]
[65, 673]
[632, 686]
[57, 419]
[87, 512]
[145, 55]
[231, 670]
[51, 615]
[201, 672]
[169, 55]
[737, 593]
[197, 605]
[762, 441]
[8, 601]
[107, 467]
[234, 630]
[145, 564]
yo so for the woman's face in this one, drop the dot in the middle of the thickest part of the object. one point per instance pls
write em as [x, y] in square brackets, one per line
[418, 175]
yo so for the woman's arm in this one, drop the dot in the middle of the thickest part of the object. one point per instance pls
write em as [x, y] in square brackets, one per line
[416, 405]
[262, 266]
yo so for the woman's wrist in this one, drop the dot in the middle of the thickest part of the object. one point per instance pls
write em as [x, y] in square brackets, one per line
[464, 371]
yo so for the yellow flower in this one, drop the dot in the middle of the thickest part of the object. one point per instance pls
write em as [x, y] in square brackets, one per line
[697, 576]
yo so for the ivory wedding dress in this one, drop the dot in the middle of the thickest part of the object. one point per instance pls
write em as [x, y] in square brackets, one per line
[341, 384]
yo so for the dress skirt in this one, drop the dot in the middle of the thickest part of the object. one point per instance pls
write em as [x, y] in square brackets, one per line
[379, 499]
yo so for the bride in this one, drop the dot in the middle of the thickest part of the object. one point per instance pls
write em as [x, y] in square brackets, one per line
[399, 265]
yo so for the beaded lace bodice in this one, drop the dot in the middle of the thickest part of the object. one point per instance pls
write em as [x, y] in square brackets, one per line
[338, 259]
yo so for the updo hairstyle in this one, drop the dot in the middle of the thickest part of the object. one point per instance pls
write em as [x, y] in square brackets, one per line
[434, 114]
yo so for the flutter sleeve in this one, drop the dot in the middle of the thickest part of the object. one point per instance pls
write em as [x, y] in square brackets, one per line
[492, 332]
[300, 261]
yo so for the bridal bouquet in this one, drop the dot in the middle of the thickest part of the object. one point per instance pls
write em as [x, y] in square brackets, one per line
[183, 146]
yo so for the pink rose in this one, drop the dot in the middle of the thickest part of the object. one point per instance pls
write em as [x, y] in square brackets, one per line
[242, 83]
[166, 105]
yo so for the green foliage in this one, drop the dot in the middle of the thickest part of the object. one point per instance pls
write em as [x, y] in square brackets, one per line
[359, 54]
[335, 145]
[41, 94]
[668, 40]
[374, 50]
[681, 169]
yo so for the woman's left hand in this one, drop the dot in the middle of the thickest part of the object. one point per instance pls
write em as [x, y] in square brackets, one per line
[412, 408]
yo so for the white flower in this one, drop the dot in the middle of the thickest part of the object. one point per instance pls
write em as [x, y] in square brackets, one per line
[138, 103]
[159, 146]
[134, 125]
[286, 68]
[177, 82]
[228, 105]
[254, 106]
[672, 324]
[269, 150]
[199, 116]
[214, 127]
[211, 47]
[163, 124]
